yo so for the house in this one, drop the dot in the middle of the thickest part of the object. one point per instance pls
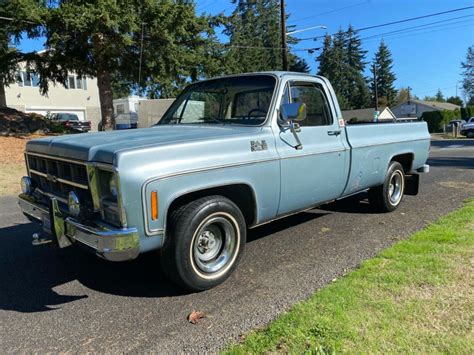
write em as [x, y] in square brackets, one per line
[79, 96]
[367, 114]
[415, 108]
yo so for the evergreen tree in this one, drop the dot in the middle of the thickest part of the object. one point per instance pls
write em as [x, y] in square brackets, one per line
[16, 21]
[251, 26]
[325, 59]
[439, 96]
[254, 35]
[468, 76]
[385, 77]
[298, 64]
[357, 90]
[455, 100]
[342, 62]
[338, 71]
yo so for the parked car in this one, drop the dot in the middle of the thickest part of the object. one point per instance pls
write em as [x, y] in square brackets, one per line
[454, 124]
[467, 129]
[230, 154]
[71, 121]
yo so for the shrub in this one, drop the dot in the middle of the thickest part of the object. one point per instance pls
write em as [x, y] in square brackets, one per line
[437, 119]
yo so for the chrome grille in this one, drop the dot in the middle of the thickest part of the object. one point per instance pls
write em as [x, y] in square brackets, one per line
[57, 177]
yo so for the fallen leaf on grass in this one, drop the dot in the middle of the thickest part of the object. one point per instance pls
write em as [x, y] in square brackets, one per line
[194, 316]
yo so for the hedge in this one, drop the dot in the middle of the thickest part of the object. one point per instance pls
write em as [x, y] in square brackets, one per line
[437, 119]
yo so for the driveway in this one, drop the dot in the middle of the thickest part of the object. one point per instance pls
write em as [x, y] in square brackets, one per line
[66, 300]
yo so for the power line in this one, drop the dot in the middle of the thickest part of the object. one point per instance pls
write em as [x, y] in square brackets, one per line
[422, 33]
[272, 48]
[415, 28]
[205, 6]
[394, 22]
[329, 12]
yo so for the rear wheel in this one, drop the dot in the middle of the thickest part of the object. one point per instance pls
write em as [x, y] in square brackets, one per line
[205, 243]
[470, 134]
[387, 197]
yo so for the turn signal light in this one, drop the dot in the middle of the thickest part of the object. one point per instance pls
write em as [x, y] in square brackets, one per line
[154, 205]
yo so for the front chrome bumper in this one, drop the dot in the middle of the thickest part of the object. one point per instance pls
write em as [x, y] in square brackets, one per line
[110, 244]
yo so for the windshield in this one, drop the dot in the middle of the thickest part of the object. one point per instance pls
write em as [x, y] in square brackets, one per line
[67, 117]
[241, 100]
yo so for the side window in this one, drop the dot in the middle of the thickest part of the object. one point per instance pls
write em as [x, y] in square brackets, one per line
[72, 82]
[317, 107]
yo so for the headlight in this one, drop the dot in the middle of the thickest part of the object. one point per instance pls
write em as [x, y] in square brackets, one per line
[113, 186]
[26, 185]
[73, 204]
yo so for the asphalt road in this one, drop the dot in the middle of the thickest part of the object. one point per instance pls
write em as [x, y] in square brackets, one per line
[66, 300]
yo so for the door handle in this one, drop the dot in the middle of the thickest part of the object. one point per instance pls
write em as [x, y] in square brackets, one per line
[334, 133]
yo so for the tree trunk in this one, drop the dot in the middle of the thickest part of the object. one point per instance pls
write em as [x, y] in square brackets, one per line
[106, 100]
[3, 99]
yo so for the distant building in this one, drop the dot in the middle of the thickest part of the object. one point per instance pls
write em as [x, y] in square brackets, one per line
[126, 111]
[415, 108]
[367, 114]
[79, 96]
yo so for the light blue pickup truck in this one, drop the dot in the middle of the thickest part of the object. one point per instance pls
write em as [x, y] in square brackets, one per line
[230, 154]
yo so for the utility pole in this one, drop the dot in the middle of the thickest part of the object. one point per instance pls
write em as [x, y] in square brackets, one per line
[284, 49]
[408, 98]
[376, 89]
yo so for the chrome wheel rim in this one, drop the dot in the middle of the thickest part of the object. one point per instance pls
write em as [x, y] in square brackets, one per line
[215, 245]
[395, 187]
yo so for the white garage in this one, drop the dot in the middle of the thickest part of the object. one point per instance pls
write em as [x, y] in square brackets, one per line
[81, 113]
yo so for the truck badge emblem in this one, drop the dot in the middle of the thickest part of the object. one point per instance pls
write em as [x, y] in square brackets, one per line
[51, 178]
[256, 146]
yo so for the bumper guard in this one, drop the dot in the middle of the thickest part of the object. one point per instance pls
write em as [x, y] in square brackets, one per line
[110, 244]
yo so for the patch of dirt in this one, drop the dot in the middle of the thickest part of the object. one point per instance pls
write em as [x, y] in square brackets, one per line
[463, 185]
[12, 149]
[12, 163]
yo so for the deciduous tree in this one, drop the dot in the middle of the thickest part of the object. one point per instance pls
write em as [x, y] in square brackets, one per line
[402, 96]
[136, 41]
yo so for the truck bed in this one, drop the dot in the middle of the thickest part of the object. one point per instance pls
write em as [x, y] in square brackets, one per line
[373, 145]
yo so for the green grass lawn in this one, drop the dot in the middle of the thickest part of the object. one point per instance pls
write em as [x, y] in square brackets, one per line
[415, 297]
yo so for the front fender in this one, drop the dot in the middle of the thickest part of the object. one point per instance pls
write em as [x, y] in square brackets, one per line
[266, 191]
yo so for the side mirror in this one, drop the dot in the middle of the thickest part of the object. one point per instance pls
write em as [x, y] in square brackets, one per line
[293, 112]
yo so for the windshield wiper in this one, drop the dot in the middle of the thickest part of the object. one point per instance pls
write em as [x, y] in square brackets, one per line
[212, 119]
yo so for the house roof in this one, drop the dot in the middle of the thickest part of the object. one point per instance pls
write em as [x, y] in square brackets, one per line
[364, 114]
[434, 104]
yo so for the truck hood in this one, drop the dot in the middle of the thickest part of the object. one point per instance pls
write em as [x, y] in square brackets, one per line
[103, 146]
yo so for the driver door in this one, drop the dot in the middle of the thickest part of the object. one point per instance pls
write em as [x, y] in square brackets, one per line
[318, 171]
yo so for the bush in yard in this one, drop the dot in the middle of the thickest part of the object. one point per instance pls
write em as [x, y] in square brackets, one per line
[437, 119]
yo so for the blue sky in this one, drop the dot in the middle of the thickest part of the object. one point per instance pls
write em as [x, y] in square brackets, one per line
[427, 58]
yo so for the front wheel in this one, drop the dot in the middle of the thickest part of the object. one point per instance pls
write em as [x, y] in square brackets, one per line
[387, 197]
[205, 243]
[470, 134]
